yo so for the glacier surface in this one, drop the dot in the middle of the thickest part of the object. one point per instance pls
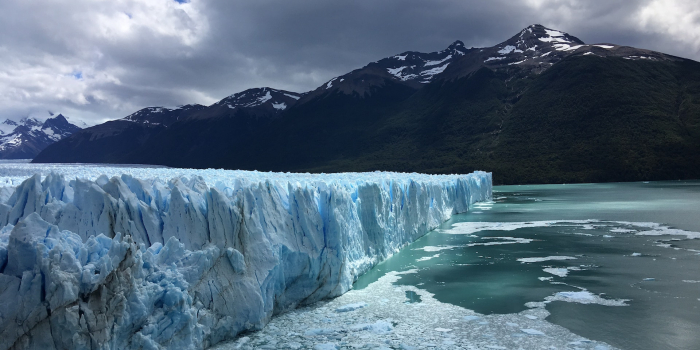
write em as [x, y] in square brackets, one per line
[156, 258]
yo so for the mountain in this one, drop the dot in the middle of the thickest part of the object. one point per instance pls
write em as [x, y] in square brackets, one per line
[410, 68]
[161, 115]
[263, 102]
[540, 107]
[138, 136]
[26, 138]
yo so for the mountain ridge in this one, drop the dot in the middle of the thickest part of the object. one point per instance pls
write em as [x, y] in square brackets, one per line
[26, 138]
[404, 113]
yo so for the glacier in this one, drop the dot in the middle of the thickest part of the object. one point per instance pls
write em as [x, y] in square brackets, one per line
[98, 257]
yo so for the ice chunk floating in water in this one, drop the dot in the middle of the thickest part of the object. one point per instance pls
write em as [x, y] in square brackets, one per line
[91, 258]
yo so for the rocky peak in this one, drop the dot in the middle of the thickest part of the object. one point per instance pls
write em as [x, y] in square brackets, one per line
[29, 122]
[538, 35]
[267, 98]
[162, 115]
[411, 68]
[29, 136]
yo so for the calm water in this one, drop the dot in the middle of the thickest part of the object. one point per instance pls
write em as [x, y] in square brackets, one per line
[598, 276]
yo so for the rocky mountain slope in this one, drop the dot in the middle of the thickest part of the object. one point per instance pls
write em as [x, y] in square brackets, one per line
[540, 107]
[26, 138]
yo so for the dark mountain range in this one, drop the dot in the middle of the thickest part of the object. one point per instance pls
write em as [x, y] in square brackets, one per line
[24, 140]
[137, 136]
[540, 107]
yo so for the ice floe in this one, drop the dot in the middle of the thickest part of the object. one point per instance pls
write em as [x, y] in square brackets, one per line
[426, 258]
[545, 258]
[618, 227]
[557, 271]
[585, 297]
[390, 323]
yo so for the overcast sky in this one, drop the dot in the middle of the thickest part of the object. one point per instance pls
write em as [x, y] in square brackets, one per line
[97, 60]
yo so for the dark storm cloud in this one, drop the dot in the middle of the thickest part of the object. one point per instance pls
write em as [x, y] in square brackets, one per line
[98, 60]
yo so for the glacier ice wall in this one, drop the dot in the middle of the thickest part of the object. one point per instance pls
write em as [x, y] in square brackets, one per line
[133, 261]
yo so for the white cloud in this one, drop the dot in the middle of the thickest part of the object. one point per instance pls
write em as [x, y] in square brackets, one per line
[60, 55]
[130, 54]
[677, 20]
[124, 20]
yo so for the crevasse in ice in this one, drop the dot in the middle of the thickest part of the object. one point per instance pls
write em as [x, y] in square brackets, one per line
[138, 262]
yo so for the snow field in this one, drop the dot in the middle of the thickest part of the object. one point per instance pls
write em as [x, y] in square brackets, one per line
[114, 257]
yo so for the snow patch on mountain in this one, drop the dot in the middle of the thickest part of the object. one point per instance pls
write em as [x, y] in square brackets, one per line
[263, 99]
[434, 63]
[396, 71]
[428, 74]
[508, 49]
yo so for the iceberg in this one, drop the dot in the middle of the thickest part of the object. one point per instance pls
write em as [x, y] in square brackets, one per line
[135, 261]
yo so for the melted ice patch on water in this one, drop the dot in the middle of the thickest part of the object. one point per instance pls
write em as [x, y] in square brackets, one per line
[585, 297]
[666, 231]
[545, 258]
[438, 248]
[503, 240]
[426, 258]
[618, 227]
[389, 322]
[498, 241]
[622, 230]
[560, 271]
[557, 271]
[466, 228]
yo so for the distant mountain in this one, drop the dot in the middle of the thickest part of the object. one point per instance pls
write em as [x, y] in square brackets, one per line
[410, 68]
[138, 135]
[540, 107]
[263, 101]
[161, 115]
[26, 138]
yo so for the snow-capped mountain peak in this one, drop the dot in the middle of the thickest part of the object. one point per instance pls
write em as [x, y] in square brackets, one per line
[261, 98]
[162, 115]
[412, 68]
[58, 127]
[418, 67]
[536, 35]
[538, 48]
[457, 45]
[29, 136]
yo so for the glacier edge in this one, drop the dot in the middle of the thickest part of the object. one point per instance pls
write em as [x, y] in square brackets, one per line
[132, 261]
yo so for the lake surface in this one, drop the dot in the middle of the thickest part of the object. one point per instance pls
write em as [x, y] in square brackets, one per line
[617, 263]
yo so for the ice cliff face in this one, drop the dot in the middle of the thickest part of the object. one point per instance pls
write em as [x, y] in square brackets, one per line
[127, 262]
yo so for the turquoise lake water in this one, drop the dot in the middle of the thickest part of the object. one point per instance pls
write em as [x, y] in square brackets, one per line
[617, 262]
